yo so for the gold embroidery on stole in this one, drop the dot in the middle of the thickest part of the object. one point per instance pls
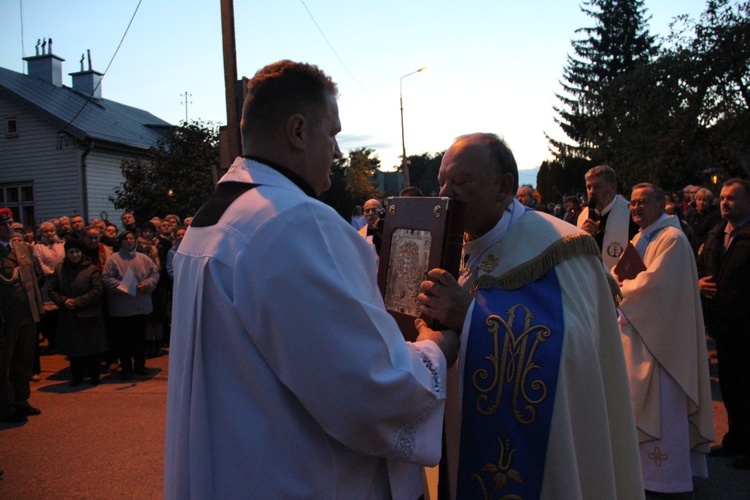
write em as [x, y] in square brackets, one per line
[511, 365]
[501, 473]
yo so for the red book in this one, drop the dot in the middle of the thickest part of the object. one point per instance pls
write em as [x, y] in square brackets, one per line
[630, 264]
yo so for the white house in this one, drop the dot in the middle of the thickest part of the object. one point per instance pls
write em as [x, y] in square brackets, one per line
[61, 147]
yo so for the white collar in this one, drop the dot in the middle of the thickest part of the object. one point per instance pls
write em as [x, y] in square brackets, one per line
[606, 209]
[515, 211]
[646, 232]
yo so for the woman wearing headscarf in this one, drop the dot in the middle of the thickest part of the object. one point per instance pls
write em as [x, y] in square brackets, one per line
[76, 287]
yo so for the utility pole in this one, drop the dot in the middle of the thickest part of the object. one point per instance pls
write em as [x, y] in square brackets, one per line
[187, 101]
[232, 136]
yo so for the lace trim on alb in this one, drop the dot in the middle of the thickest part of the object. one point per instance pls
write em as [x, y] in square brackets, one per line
[406, 438]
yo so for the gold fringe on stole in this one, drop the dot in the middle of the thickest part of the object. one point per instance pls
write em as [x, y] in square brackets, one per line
[528, 272]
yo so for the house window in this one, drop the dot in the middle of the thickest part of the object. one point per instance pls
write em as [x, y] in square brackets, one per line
[11, 127]
[19, 197]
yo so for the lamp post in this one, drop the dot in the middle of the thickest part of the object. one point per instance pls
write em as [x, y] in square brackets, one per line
[404, 162]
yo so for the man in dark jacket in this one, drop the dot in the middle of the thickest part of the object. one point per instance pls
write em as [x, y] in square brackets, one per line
[22, 308]
[724, 270]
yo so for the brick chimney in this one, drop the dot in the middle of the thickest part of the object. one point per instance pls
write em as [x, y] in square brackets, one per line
[88, 81]
[45, 66]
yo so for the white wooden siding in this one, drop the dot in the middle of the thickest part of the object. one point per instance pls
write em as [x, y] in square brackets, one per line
[38, 154]
[103, 175]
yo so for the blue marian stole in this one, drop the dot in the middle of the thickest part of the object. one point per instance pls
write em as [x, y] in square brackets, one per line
[512, 365]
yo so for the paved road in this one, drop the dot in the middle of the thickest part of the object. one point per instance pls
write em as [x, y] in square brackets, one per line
[89, 442]
[107, 441]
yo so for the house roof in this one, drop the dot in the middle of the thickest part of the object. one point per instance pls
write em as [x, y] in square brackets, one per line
[101, 120]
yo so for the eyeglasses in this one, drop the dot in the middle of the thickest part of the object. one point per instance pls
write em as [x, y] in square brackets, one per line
[639, 203]
[368, 210]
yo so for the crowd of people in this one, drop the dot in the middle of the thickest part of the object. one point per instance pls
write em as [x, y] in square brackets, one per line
[687, 240]
[97, 293]
[696, 208]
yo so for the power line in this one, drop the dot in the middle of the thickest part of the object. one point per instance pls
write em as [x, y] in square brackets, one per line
[88, 99]
[334, 50]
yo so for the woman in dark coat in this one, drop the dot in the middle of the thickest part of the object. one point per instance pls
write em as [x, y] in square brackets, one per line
[705, 216]
[76, 287]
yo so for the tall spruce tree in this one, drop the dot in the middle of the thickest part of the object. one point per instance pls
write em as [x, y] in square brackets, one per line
[618, 43]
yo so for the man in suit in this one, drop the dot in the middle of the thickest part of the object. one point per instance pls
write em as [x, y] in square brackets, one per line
[21, 303]
[724, 268]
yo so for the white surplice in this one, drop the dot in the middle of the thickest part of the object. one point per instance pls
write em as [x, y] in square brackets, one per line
[287, 377]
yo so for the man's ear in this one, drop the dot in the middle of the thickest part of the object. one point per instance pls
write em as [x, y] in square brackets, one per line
[296, 131]
[505, 185]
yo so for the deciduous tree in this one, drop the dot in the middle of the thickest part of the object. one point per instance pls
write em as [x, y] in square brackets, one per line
[176, 178]
[351, 181]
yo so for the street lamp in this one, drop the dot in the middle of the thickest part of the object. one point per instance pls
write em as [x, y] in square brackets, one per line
[404, 163]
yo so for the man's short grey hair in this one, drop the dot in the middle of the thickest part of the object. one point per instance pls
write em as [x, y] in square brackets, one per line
[503, 160]
[176, 217]
[46, 224]
[607, 173]
[659, 193]
[705, 193]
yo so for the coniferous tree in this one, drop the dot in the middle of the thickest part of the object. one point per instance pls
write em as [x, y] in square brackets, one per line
[424, 171]
[618, 42]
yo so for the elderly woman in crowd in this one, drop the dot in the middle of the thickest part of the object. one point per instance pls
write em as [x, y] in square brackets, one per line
[705, 216]
[48, 253]
[130, 278]
[76, 287]
[175, 221]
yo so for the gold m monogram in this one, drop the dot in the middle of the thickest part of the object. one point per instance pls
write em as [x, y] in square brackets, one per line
[512, 365]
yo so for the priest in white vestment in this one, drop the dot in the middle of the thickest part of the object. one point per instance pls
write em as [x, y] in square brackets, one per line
[607, 217]
[665, 350]
[538, 405]
[287, 377]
